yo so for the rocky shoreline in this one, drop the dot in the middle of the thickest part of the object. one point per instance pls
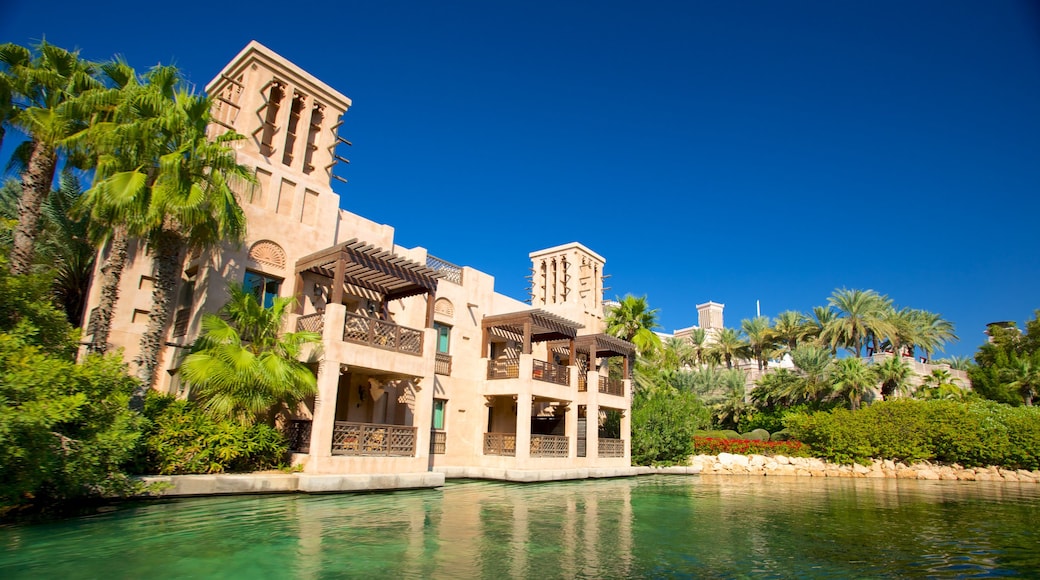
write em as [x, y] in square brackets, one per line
[730, 464]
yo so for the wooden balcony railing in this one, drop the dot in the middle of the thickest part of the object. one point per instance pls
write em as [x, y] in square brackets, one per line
[500, 444]
[611, 447]
[299, 436]
[382, 334]
[583, 381]
[311, 323]
[373, 440]
[611, 386]
[549, 446]
[447, 270]
[442, 364]
[550, 373]
[503, 369]
[438, 441]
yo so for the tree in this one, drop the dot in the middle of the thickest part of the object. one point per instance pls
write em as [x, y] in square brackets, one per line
[941, 385]
[663, 425]
[894, 375]
[814, 364]
[1022, 374]
[241, 368]
[44, 88]
[698, 342]
[853, 379]
[729, 345]
[861, 314]
[633, 320]
[192, 207]
[760, 338]
[791, 327]
[676, 353]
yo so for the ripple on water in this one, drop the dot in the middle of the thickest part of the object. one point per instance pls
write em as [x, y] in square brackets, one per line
[659, 526]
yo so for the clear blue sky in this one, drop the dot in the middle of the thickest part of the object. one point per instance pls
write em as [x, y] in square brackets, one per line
[726, 151]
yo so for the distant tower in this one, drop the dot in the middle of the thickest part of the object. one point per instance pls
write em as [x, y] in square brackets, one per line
[709, 315]
[568, 280]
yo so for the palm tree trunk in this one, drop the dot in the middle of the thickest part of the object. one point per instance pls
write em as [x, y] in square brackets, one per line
[167, 254]
[100, 324]
[36, 184]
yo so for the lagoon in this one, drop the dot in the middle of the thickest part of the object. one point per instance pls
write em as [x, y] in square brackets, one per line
[650, 526]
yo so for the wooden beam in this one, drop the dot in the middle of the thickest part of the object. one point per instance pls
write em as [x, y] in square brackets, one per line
[527, 337]
[429, 310]
[337, 281]
[298, 307]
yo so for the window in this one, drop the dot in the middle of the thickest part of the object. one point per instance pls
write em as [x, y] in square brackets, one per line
[443, 337]
[265, 288]
[438, 413]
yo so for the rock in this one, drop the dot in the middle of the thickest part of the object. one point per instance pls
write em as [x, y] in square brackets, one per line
[1009, 476]
[781, 459]
[987, 476]
[927, 474]
[860, 469]
[888, 464]
[731, 459]
[817, 473]
[876, 474]
[948, 475]
[757, 461]
[966, 475]
[906, 473]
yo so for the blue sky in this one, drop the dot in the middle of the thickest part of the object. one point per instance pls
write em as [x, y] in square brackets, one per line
[726, 151]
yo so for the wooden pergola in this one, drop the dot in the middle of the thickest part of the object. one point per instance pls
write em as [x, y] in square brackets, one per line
[606, 346]
[527, 327]
[374, 269]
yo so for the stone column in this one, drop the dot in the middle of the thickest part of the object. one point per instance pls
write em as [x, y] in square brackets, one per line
[524, 403]
[592, 420]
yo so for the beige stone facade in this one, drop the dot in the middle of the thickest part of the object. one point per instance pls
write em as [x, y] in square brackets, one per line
[423, 365]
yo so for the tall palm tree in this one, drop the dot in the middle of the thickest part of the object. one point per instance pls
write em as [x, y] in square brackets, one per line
[676, 353]
[44, 88]
[127, 142]
[241, 367]
[933, 332]
[729, 345]
[894, 375]
[192, 207]
[633, 320]
[698, 339]
[775, 389]
[853, 379]
[822, 318]
[760, 338]
[941, 385]
[861, 316]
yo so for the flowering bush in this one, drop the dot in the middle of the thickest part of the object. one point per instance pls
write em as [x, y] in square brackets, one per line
[714, 446]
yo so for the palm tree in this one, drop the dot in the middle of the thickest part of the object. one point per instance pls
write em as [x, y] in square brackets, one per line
[729, 345]
[822, 318]
[861, 315]
[933, 332]
[894, 375]
[192, 207]
[44, 88]
[676, 353]
[774, 389]
[128, 145]
[241, 367]
[633, 320]
[698, 339]
[813, 363]
[957, 363]
[759, 337]
[733, 407]
[1023, 375]
[790, 327]
[853, 379]
[941, 385]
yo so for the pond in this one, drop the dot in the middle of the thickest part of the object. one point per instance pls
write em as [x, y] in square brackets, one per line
[651, 526]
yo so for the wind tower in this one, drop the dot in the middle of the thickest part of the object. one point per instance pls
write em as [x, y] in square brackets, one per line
[568, 280]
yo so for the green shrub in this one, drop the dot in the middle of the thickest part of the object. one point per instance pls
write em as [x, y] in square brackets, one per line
[185, 440]
[781, 435]
[663, 425]
[969, 433]
[756, 435]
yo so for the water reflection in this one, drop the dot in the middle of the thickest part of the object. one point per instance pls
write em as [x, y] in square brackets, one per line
[660, 526]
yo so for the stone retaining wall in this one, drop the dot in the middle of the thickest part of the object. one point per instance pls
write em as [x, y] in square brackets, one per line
[729, 464]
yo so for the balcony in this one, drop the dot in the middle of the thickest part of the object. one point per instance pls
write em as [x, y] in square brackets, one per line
[500, 444]
[549, 372]
[611, 386]
[382, 334]
[447, 270]
[442, 364]
[503, 369]
[438, 442]
[549, 445]
[611, 447]
[311, 323]
[373, 440]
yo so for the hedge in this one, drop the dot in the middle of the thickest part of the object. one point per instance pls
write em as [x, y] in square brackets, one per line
[714, 446]
[970, 434]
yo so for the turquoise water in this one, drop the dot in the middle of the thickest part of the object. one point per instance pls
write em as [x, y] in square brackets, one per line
[659, 526]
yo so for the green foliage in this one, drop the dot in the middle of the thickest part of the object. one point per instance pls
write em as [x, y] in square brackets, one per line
[969, 433]
[65, 429]
[714, 446]
[241, 367]
[1008, 365]
[183, 439]
[663, 425]
[756, 435]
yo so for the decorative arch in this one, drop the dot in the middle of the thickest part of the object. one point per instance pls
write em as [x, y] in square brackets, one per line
[444, 307]
[269, 253]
